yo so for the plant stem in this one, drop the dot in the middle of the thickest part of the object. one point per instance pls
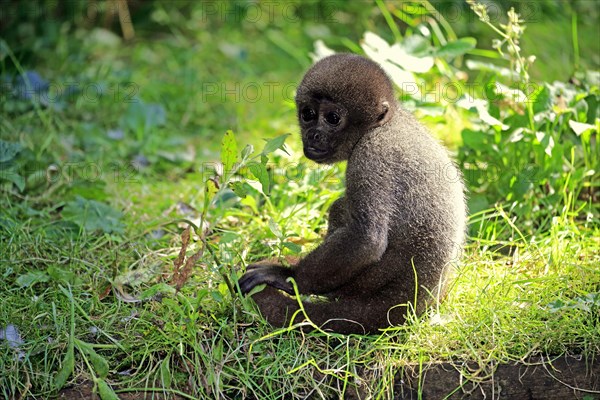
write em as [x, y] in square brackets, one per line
[575, 40]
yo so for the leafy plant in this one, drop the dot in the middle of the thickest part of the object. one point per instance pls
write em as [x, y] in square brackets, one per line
[231, 177]
[510, 34]
[535, 162]
[590, 303]
[142, 118]
[97, 365]
[92, 215]
[8, 169]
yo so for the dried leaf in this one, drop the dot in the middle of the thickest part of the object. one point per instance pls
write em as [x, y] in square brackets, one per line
[187, 269]
[185, 239]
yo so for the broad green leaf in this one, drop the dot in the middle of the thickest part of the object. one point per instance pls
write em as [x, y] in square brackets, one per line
[88, 189]
[173, 306]
[156, 115]
[93, 216]
[210, 189]
[100, 364]
[541, 98]
[155, 289]
[593, 107]
[8, 174]
[275, 228]
[557, 305]
[521, 185]
[293, 247]
[456, 48]
[417, 45]
[250, 201]
[477, 203]
[165, 373]
[481, 106]
[257, 289]
[483, 66]
[8, 150]
[68, 364]
[61, 275]
[275, 143]
[33, 277]
[223, 289]
[475, 140]
[248, 150]
[36, 178]
[228, 152]
[141, 116]
[105, 391]
[260, 172]
[241, 189]
[511, 93]
[216, 295]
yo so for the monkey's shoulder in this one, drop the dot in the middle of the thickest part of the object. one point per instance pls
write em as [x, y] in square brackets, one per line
[395, 147]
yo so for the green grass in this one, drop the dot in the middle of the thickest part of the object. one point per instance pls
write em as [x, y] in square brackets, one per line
[98, 304]
[500, 308]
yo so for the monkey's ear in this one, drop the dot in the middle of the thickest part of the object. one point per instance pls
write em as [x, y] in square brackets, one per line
[385, 115]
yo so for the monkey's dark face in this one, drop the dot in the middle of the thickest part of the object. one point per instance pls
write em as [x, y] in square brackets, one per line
[323, 125]
[340, 98]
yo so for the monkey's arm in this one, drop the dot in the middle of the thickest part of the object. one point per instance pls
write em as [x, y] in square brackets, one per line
[344, 252]
[340, 258]
[361, 241]
[338, 215]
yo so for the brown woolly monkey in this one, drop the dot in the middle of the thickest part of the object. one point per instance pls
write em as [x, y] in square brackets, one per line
[401, 223]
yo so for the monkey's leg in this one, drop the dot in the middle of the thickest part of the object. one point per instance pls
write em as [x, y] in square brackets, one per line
[346, 315]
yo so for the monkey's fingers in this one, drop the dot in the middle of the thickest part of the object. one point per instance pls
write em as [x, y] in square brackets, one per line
[282, 285]
[246, 283]
[272, 277]
[252, 277]
[265, 264]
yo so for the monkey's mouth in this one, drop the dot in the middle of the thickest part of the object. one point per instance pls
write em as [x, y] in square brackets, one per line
[316, 153]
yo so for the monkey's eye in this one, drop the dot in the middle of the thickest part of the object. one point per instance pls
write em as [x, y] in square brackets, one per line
[308, 114]
[332, 118]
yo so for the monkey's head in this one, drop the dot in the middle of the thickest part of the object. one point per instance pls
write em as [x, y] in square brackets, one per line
[340, 98]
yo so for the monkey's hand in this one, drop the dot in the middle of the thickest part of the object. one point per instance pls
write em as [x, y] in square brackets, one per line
[272, 274]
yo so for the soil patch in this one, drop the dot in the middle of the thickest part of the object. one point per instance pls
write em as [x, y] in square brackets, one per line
[563, 378]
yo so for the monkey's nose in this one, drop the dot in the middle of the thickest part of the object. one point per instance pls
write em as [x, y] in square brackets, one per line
[315, 136]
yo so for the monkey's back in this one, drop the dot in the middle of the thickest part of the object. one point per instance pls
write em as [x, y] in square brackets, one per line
[425, 192]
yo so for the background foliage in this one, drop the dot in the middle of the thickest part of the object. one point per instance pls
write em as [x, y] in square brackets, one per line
[111, 148]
